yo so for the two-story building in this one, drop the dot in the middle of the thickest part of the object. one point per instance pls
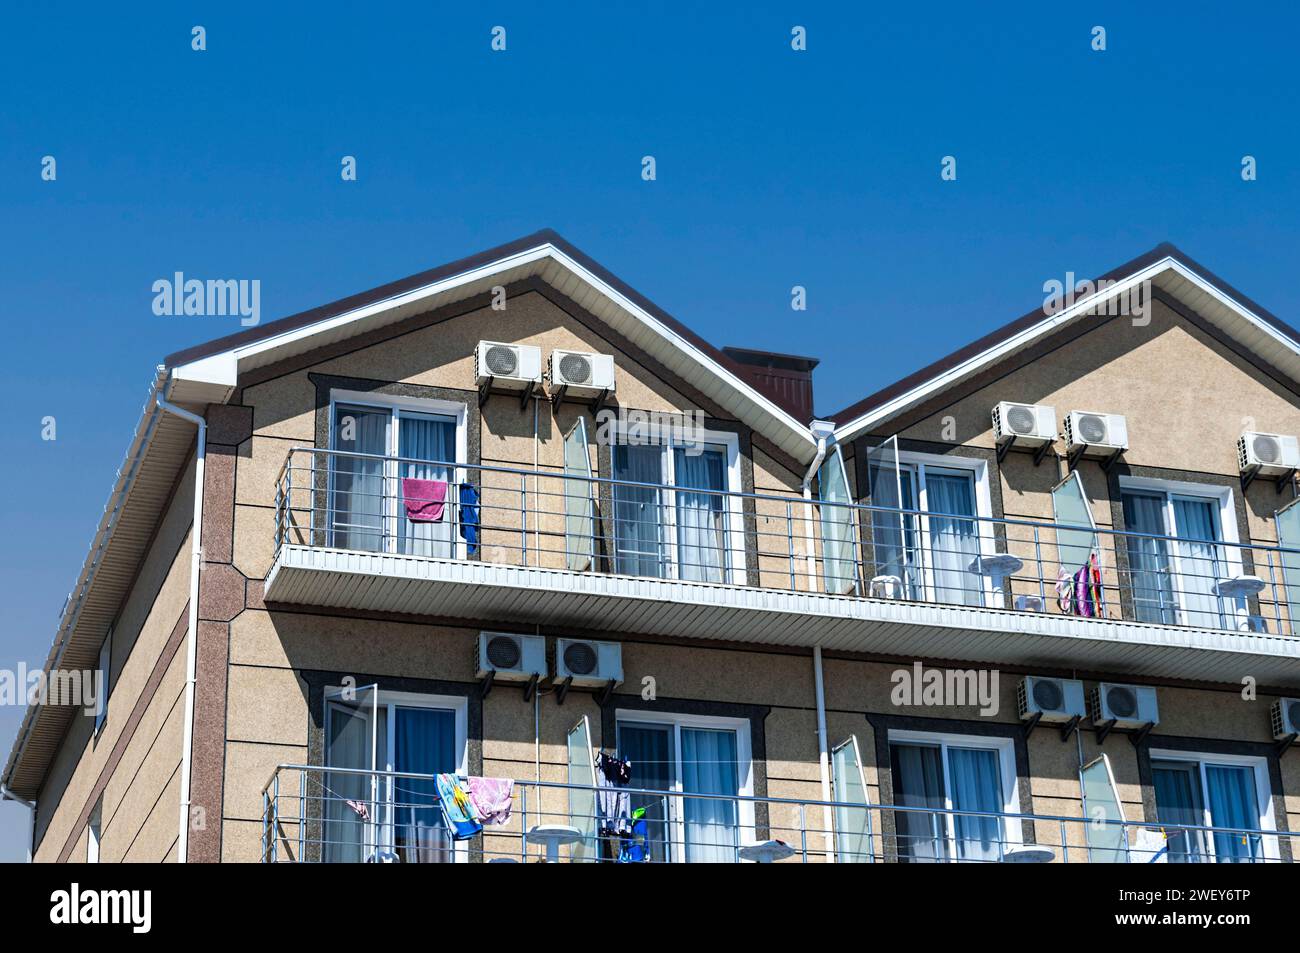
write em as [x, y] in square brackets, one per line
[507, 519]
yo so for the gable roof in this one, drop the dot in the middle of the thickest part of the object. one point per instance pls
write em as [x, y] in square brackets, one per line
[208, 373]
[1167, 268]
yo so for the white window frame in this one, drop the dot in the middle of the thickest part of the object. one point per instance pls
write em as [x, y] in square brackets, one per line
[1230, 539]
[979, 470]
[1263, 791]
[106, 673]
[395, 405]
[389, 700]
[1012, 835]
[734, 553]
[744, 764]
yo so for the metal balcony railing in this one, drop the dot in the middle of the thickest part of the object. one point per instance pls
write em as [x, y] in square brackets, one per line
[709, 536]
[319, 814]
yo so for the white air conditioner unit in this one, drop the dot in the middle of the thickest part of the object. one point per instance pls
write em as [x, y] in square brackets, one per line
[593, 664]
[510, 366]
[582, 373]
[1095, 435]
[1055, 699]
[1026, 425]
[1127, 706]
[510, 657]
[1274, 454]
[1286, 718]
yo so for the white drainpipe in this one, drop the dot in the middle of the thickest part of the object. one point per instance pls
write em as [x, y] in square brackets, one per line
[7, 795]
[191, 635]
[824, 431]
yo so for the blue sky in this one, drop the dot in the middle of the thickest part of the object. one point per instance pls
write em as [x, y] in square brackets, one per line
[775, 168]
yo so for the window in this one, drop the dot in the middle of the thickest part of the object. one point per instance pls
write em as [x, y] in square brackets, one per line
[93, 832]
[1213, 791]
[683, 756]
[684, 525]
[371, 815]
[376, 447]
[838, 522]
[934, 550]
[952, 773]
[1174, 576]
[102, 684]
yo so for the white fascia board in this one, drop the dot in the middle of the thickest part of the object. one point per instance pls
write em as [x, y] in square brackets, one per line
[973, 364]
[221, 370]
[1218, 294]
[396, 301]
[209, 380]
[689, 349]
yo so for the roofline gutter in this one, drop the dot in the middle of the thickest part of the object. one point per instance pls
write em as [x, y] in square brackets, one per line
[72, 611]
[7, 795]
[191, 634]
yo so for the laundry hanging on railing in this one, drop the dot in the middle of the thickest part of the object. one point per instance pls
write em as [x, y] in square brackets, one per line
[424, 500]
[613, 805]
[1080, 593]
[469, 516]
[492, 798]
[462, 816]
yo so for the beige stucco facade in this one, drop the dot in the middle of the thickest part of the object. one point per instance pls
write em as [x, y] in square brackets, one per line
[1186, 396]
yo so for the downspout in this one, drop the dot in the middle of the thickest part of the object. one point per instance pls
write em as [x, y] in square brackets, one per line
[191, 635]
[7, 795]
[824, 431]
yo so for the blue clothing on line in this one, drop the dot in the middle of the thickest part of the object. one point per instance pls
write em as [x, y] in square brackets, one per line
[469, 516]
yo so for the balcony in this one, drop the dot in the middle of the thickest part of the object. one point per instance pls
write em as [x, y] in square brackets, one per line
[316, 814]
[604, 556]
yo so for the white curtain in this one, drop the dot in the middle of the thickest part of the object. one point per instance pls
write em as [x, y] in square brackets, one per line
[357, 484]
[918, 783]
[701, 517]
[1148, 560]
[709, 767]
[976, 785]
[638, 543]
[954, 543]
[1199, 561]
[432, 439]
[347, 836]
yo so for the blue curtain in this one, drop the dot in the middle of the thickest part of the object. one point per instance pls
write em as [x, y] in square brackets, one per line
[954, 543]
[356, 485]
[709, 767]
[424, 742]
[432, 439]
[1178, 801]
[1199, 561]
[701, 517]
[638, 541]
[894, 537]
[1233, 804]
[918, 782]
[976, 785]
[650, 749]
[1148, 560]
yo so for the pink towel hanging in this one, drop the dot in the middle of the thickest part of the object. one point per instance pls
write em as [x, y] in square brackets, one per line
[424, 499]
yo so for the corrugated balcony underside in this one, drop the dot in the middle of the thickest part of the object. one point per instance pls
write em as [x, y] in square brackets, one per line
[484, 593]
